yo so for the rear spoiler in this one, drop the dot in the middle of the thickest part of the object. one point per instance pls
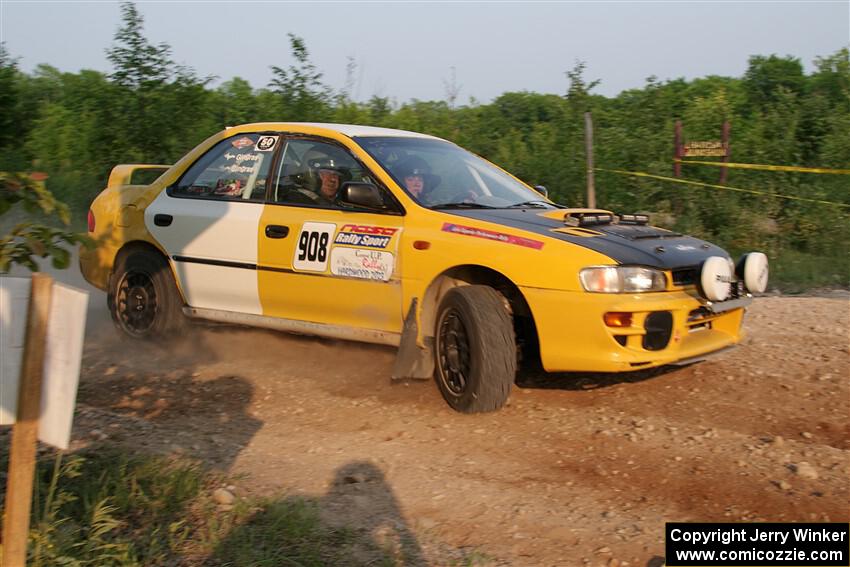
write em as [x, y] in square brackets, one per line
[123, 174]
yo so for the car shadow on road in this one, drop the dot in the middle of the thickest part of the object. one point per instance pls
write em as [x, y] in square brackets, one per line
[154, 398]
[357, 522]
[534, 377]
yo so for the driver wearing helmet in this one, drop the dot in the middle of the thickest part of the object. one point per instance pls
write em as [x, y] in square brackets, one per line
[417, 178]
[322, 179]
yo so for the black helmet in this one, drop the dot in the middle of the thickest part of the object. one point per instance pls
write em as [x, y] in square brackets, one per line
[411, 166]
[414, 165]
[316, 159]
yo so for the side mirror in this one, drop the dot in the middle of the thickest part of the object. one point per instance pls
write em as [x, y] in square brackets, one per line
[363, 195]
[542, 190]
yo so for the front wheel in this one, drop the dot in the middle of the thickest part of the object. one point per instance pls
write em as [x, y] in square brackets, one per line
[475, 349]
[143, 298]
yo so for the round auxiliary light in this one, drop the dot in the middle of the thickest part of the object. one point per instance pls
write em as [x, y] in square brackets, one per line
[753, 269]
[716, 278]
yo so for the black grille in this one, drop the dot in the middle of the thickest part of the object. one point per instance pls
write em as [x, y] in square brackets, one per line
[685, 276]
[697, 314]
[659, 327]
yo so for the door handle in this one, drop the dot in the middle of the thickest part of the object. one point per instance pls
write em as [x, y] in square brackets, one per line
[162, 220]
[276, 231]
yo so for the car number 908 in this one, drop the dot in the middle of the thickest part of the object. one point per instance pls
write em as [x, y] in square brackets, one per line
[313, 246]
[311, 250]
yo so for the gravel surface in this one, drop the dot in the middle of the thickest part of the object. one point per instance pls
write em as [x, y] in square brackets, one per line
[578, 469]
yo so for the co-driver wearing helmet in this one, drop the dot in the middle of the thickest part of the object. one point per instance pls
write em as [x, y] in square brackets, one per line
[417, 178]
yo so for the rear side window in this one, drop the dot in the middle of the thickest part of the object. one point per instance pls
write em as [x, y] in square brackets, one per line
[234, 169]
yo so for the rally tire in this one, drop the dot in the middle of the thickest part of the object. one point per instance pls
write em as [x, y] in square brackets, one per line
[143, 299]
[475, 349]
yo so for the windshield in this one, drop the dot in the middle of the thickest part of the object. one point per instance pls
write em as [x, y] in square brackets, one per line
[439, 174]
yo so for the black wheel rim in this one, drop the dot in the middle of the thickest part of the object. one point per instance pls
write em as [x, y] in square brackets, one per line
[136, 302]
[453, 352]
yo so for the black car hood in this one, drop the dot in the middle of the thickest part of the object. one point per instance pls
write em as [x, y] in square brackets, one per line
[625, 243]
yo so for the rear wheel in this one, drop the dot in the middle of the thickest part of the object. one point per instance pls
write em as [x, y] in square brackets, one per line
[475, 349]
[143, 298]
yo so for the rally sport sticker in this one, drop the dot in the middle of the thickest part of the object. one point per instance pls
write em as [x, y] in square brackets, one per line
[365, 235]
[363, 264]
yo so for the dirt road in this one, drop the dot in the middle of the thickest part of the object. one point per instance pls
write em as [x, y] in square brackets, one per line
[576, 470]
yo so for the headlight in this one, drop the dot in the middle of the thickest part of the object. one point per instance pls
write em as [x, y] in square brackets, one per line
[622, 279]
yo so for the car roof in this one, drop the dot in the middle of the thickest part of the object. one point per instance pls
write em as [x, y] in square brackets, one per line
[350, 130]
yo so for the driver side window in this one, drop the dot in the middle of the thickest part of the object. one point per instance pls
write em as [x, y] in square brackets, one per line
[311, 174]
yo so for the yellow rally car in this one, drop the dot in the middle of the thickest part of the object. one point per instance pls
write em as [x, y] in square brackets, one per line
[399, 238]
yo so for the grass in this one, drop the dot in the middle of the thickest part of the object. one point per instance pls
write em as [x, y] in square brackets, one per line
[797, 272]
[106, 507]
[285, 532]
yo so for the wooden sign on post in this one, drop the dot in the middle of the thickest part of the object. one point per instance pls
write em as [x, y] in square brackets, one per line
[43, 326]
[22, 452]
[704, 149]
[711, 148]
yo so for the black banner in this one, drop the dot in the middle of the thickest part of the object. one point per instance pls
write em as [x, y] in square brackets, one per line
[757, 544]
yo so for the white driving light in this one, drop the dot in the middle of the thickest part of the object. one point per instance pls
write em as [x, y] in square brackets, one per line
[716, 278]
[622, 279]
[753, 269]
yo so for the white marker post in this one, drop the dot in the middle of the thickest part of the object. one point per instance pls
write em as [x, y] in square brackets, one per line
[41, 351]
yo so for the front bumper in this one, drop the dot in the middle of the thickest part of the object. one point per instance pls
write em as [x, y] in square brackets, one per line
[574, 337]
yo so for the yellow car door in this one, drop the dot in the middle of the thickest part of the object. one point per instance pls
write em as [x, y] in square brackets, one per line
[318, 261]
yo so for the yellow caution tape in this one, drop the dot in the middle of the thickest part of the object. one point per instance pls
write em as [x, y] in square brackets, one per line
[700, 184]
[762, 167]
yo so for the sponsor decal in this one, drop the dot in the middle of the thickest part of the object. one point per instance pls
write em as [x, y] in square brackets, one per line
[311, 250]
[363, 264]
[242, 142]
[365, 235]
[241, 157]
[231, 188]
[266, 143]
[492, 235]
[240, 168]
[365, 240]
[368, 229]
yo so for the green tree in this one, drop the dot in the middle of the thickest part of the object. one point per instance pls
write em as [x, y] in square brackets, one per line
[767, 76]
[832, 78]
[578, 92]
[8, 96]
[155, 101]
[29, 239]
[299, 87]
[138, 65]
[235, 103]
